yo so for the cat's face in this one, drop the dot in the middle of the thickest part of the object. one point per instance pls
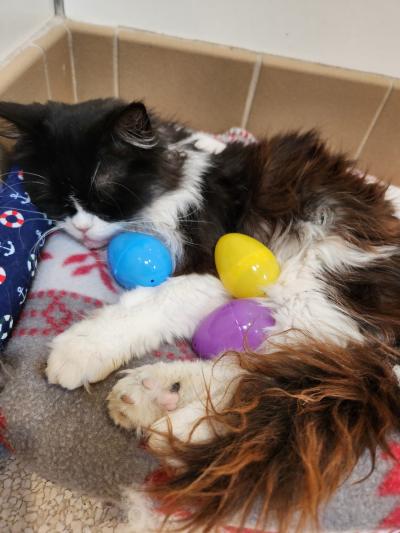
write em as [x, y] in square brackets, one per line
[91, 167]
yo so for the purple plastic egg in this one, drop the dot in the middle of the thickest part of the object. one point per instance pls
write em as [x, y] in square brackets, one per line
[237, 325]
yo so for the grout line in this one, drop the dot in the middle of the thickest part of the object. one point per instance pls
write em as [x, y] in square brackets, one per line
[116, 63]
[72, 60]
[46, 70]
[251, 91]
[373, 122]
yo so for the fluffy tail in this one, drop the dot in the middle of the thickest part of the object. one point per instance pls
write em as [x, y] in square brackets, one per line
[298, 422]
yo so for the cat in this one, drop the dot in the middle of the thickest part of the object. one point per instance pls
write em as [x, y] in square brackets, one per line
[278, 423]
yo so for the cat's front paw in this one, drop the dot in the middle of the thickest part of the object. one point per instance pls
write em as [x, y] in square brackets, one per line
[79, 356]
[143, 396]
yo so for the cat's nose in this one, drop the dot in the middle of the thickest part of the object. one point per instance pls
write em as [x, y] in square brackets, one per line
[82, 223]
[82, 226]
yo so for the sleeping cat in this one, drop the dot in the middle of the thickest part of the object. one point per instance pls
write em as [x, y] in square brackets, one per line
[290, 421]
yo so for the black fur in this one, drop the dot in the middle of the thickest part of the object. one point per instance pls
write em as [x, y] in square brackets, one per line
[92, 152]
[64, 148]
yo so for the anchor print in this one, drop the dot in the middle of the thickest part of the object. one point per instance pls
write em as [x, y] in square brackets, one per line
[25, 198]
[23, 293]
[23, 231]
[39, 234]
[9, 247]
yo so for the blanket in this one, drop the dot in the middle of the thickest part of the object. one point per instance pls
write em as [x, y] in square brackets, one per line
[68, 438]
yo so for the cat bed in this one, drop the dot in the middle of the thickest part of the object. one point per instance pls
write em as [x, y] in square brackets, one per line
[68, 438]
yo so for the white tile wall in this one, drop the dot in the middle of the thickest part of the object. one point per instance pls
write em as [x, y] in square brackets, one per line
[359, 34]
[19, 19]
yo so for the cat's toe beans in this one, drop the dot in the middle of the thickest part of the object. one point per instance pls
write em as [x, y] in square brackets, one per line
[125, 398]
[138, 400]
[168, 400]
[150, 384]
[130, 405]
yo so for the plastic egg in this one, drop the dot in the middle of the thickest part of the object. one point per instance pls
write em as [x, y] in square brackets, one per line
[245, 266]
[137, 259]
[237, 325]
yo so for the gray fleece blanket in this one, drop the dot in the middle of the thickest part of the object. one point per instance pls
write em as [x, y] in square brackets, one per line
[67, 437]
[64, 436]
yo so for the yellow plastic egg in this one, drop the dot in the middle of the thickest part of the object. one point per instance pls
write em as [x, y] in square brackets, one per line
[245, 266]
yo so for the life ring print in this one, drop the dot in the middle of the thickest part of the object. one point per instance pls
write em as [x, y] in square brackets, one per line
[12, 219]
[3, 275]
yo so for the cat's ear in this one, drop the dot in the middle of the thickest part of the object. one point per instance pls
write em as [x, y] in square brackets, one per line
[20, 118]
[133, 126]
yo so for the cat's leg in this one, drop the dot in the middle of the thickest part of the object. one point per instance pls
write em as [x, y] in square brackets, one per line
[152, 396]
[143, 319]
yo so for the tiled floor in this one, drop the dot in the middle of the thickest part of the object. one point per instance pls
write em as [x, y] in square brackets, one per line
[30, 504]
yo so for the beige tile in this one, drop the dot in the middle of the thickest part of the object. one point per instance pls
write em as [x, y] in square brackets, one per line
[23, 79]
[297, 95]
[381, 152]
[93, 57]
[57, 56]
[203, 85]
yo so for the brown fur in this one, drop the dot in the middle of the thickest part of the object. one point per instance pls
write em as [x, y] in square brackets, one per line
[299, 421]
[297, 175]
[303, 415]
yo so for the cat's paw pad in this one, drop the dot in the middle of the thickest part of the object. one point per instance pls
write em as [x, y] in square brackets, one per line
[77, 357]
[142, 397]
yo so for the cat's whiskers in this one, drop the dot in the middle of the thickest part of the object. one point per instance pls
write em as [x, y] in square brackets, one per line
[146, 225]
[153, 222]
[93, 178]
[26, 173]
[42, 237]
[31, 220]
[35, 182]
[116, 183]
[26, 211]
[44, 195]
[4, 184]
[108, 195]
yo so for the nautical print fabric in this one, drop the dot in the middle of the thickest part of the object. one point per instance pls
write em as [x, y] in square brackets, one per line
[22, 231]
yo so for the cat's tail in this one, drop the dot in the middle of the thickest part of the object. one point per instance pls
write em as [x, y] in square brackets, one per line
[296, 426]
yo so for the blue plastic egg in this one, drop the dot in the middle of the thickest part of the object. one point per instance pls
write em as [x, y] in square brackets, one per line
[137, 259]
